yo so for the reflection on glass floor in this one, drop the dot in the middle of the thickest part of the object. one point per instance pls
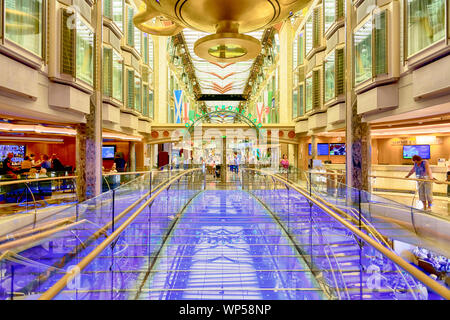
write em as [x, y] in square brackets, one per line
[227, 246]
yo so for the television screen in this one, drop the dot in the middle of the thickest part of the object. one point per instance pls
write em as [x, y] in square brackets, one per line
[309, 149]
[17, 150]
[421, 150]
[322, 149]
[108, 152]
[337, 149]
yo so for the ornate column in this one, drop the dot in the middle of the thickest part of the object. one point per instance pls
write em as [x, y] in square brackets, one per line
[161, 79]
[285, 73]
[313, 147]
[358, 159]
[89, 135]
[132, 156]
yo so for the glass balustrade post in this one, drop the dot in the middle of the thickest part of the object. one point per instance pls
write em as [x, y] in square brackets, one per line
[113, 209]
[12, 282]
[150, 183]
[359, 208]
[289, 209]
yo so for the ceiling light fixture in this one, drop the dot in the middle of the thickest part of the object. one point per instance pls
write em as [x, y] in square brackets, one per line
[227, 20]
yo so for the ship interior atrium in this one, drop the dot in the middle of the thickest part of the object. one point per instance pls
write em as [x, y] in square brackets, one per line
[224, 150]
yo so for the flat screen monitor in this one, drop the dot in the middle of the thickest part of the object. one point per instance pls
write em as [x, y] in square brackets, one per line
[337, 149]
[322, 149]
[108, 152]
[309, 149]
[17, 150]
[421, 150]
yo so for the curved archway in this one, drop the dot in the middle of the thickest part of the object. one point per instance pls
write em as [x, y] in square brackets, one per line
[225, 111]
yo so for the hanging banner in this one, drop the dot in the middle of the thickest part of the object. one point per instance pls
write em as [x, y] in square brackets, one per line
[260, 111]
[178, 95]
[186, 112]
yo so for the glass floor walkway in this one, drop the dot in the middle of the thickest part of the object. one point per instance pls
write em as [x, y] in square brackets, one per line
[211, 244]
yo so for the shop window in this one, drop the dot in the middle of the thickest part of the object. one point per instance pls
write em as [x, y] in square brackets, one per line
[137, 40]
[425, 23]
[294, 53]
[150, 51]
[145, 37]
[84, 52]
[301, 96]
[339, 69]
[380, 47]
[316, 89]
[137, 93]
[300, 51]
[77, 48]
[150, 104]
[309, 34]
[329, 13]
[333, 11]
[317, 35]
[145, 100]
[130, 89]
[117, 73]
[294, 103]
[107, 9]
[329, 74]
[67, 45]
[308, 93]
[363, 53]
[130, 27]
[117, 13]
[23, 24]
[107, 72]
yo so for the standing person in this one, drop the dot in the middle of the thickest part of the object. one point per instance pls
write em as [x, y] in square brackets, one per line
[8, 167]
[236, 163]
[425, 188]
[120, 162]
[285, 162]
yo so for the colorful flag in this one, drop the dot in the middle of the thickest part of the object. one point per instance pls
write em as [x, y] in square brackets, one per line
[186, 112]
[178, 95]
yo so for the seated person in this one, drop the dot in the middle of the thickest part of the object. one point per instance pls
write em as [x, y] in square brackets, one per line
[8, 168]
[45, 162]
[42, 173]
[32, 174]
[26, 164]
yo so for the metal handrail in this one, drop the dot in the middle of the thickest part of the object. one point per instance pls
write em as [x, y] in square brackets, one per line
[384, 177]
[62, 283]
[416, 273]
[6, 183]
[99, 232]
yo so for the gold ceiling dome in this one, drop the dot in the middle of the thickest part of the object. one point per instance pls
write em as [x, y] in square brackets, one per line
[226, 19]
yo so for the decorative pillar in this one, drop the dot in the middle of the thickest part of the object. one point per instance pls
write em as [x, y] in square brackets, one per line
[286, 34]
[313, 147]
[161, 79]
[89, 135]
[358, 159]
[132, 156]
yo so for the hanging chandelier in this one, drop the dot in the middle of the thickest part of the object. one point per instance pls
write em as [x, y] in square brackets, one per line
[227, 20]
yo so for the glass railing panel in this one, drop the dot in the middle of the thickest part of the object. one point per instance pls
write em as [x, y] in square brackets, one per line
[119, 271]
[349, 266]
